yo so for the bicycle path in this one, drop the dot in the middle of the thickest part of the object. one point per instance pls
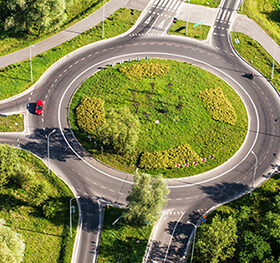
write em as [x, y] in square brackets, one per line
[193, 13]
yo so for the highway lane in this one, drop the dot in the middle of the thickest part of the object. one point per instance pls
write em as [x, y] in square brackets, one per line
[189, 197]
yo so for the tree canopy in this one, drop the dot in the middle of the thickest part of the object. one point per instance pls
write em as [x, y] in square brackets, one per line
[32, 16]
[146, 199]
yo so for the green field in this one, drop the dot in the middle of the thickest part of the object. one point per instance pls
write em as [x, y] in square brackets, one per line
[21, 206]
[122, 242]
[198, 32]
[75, 10]
[258, 226]
[11, 123]
[209, 3]
[15, 78]
[266, 15]
[257, 56]
[172, 99]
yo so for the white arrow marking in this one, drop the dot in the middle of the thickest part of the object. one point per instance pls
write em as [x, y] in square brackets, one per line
[148, 20]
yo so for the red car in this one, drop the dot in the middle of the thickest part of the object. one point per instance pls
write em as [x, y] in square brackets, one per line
[39, 109]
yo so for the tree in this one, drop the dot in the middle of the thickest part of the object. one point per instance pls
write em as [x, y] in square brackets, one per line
[120, 132]
[254, 248]
[39, 15]
[272, 225]
[11, 245]
[90, 114]
[146, 199]
[216, 241]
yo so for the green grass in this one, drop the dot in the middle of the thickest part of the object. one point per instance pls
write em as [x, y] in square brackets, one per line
[257, 56]
[46, 240]
[15, 78]
[250, 213]
[122, 242]
[209, 3]
[75, 12]
[191, 125]
[198, 32]
[12, 123]
[263, 12]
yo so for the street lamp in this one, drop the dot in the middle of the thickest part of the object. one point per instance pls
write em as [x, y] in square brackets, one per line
[195, 227]
[103, 12]
[274, 51]
[31, 62]
[48, 142]
[187, 25]
[253, 180]
[71, 214]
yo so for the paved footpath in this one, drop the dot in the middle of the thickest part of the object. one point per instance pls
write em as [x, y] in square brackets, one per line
[196, 14]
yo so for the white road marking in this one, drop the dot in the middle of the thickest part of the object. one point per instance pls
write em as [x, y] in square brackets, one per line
[91, 54]
[52, 85]
[161, 24]
[46, 96]
[76, 62]
[55, 80]
[82, 59]
[148, 20]
[176, 6]
[31, 93]
[152, 26]
[42, 120]
[65, 70]
[29, 99]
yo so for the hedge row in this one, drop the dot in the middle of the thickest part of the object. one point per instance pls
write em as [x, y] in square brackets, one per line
[144, 69]
[218, 105]
[90, 114]
[168, 158]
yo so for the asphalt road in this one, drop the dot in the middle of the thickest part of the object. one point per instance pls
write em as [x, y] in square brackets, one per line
[94, 182]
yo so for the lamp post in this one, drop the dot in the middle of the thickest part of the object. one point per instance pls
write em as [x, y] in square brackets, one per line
[71, 214]
[195, 227]
[187, 25]
[31, 75]
[48, 142]
[274, 51]
[253, 180]
[103, 12]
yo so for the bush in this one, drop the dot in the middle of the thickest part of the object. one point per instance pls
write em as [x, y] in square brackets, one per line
[90, 114]
[120, 132]
[11, 245]
[218, 105]
[168, 158]
[50, 208]
[144, 69]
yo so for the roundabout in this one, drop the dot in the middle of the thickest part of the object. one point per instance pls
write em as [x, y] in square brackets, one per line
[98, 184]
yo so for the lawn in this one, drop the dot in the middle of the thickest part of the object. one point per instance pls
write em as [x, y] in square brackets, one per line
[11, 123]
[198, 32]
[257, 217]
[122, 242]
[10, 82]
[173, 102]
[266, 15]
[75, 10]
[257, 56]
[21, 206]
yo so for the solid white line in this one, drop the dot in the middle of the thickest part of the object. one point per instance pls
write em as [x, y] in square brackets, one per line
[99, 229]
[175, 55]
[172, 237]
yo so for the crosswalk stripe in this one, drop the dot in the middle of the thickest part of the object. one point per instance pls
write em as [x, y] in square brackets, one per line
[176, 6]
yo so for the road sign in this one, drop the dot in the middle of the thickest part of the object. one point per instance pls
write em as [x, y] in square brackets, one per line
[197, 24]
[203, 160]
[211, 156]
[187, 164]
[177, 165]
[195, 163]
[174, 20]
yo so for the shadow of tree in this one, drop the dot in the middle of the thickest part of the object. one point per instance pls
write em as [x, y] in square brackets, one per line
[158, 252]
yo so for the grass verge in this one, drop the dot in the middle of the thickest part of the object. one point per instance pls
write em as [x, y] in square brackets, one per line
[11, 123]
[75, 11]
[257, 215]
[15, 78]
[257, 56]
[46, 240]
[198, 32]
[122, 242]
[266, 15]
[176, 104]
[209, 3]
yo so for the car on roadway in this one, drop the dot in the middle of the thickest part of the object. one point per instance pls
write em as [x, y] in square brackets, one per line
[39, 109]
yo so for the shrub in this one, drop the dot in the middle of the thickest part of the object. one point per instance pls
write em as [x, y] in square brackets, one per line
[50, 208]
[90, 114]
[218, 105]
[120, 132]
[144, 69]
[168, 158]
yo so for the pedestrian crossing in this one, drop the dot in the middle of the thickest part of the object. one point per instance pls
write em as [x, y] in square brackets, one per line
[224, 16]
[167, 5]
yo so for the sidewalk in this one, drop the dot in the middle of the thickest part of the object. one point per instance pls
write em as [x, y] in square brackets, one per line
[197, 13]
[71, 32]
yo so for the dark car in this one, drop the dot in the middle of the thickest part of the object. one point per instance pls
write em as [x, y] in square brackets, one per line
[39, 109]
[251, 75]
